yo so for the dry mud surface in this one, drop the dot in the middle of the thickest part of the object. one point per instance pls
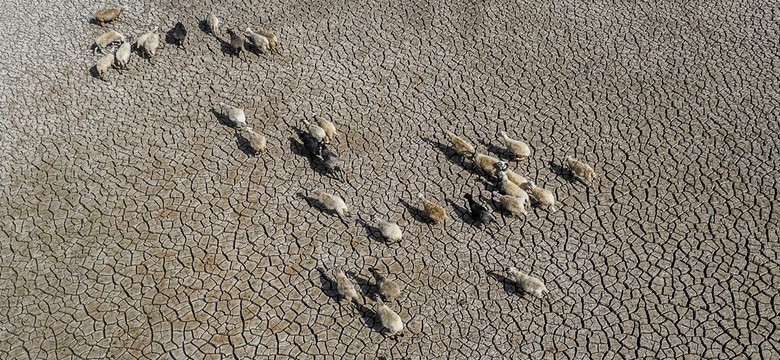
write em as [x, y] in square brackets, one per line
[135, 225]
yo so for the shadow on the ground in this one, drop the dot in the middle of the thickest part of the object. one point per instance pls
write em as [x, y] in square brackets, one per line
[171, 39]
[451, 155]
[509, 286]
[370, 317]
[317, 204]
[315, 163]
[559, 170]
[372, 231]
[366, 287]
[328, 285]
[222, 118]
[501, 152]
[243, 144]
[95, 74]
[463, 213]
[416, 213]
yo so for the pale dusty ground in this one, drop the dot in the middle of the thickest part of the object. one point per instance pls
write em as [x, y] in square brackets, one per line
[134, 225]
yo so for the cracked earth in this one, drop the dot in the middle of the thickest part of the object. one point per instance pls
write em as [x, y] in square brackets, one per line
[135, 224]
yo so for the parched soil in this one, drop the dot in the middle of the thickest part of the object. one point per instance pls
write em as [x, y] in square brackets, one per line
[136, 224]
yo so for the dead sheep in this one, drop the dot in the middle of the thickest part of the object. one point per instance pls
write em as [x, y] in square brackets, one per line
[105, 40]
[542, 196]
[104, 65]
[510, 188]
[104, 16]
[512, 204]
[234, 114]
[212, 24]
[273, 41]
[462, 147]
[435, 212]
[315, 130]
[580, 170]
[486, 163]
[256, 141]
[260, 42]
[389, 230]
[389, 318]
[236, 42]
[333, 203]
[478, 212]
[123, 55]
[328, 127]
[530, 284]
[518, 148]
[345, 287]
[387, 288]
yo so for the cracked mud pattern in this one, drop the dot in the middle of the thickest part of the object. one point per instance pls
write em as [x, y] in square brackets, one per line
[134, 224]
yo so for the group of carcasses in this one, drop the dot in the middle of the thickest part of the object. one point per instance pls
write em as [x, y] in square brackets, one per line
[515, 195]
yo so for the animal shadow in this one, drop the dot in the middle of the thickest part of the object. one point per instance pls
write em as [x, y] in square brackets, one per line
[225, 47]
[329, 288]
[253, 49]
[559, 170]
[327, 285]
[370, 318]
[449, 152]
[94, 72]
[372, 231]
[141, 52]
[315, 203]
[495, 205]
[454, 158]
[170, 39]
[509, 285]
[366, 288]
[203, 25]
[463, 213]
[500, 151]
[243, 144]
[314, 162]
[416, 213]
[222, 118]
[94, 21]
